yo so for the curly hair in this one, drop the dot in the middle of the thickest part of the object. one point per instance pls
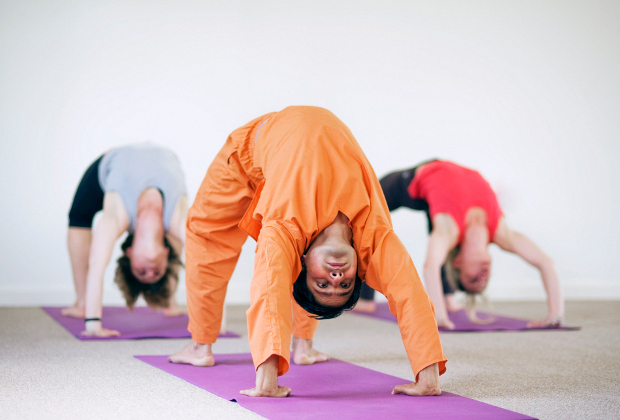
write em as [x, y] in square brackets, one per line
[453, 276]
[156, 295]
[304, 297]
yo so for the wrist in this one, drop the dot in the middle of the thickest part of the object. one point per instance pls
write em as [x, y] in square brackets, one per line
[92, 324]
[267, 374]
[428, 379]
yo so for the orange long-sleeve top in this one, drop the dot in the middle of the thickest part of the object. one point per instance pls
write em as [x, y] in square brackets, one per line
[308, 167]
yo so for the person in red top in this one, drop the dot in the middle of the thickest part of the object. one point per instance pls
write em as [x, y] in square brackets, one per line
[463, 218]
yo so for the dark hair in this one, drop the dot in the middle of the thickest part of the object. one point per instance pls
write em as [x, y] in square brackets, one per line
[304, 297]
[156, 294]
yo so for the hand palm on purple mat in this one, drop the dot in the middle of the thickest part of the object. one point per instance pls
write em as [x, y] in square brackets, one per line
[333, 389]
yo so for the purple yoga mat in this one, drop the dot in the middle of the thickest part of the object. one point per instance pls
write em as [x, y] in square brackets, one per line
[143, 322]
[329, 390]
[463, 324]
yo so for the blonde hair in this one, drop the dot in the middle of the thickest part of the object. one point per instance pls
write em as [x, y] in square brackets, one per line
[453, 276]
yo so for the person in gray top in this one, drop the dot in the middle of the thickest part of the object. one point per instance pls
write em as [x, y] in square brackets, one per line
[141, 190]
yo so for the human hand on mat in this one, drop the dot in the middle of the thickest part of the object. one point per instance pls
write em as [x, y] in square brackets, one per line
[445, 323]
[101, 332]
[95, 329]
[174, 310]
[452, 304]
[74, 311]
[267, 381]
[194, 354]
[550, 321]
[428, 383]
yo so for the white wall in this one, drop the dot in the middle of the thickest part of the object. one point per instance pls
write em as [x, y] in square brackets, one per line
[527, 92]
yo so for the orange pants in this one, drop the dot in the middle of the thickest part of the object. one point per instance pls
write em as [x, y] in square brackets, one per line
[213, 245]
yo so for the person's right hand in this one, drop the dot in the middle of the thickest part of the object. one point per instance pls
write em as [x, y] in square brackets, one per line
[416, 390]
[445, 323]
[427, 384]
[101, 332]
[74, 311]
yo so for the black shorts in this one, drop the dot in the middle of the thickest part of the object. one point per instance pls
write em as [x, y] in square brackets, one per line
[88, 199]
[394, 186]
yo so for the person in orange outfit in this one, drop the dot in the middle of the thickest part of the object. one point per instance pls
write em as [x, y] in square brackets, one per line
[298, 182]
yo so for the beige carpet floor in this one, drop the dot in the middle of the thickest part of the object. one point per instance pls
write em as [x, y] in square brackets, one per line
[45, 373]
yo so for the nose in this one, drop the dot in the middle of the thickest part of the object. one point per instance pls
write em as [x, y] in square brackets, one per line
[335, 275]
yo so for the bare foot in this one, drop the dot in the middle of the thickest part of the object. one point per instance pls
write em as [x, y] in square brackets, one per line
[452, 303]
[194, 354]
[75, 311]
[367, 306]
[304, 354]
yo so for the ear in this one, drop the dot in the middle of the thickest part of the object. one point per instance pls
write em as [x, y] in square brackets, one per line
[303, 259]
[129, 251]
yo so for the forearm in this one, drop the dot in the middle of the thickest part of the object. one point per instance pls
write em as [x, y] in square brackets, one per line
[267, 375]
[432, 275]
[555, 298]
[393, 271]
[439, 244]
[104, 237]
[523, 246]
[269, 316]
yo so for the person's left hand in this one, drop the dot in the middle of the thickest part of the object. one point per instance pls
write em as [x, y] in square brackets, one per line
[549, 322]
[101, 332]
[417, 389]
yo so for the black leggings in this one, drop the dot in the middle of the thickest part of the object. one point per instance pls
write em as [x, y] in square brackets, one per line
[394, 186]
[88, 199]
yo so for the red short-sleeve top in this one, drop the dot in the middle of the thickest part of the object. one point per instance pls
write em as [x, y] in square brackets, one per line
[453, 189]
